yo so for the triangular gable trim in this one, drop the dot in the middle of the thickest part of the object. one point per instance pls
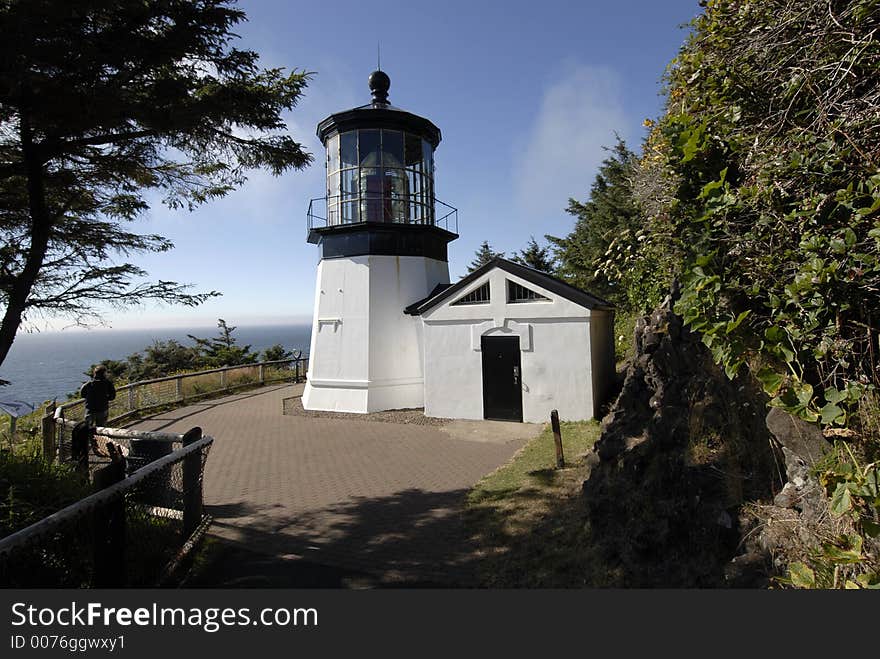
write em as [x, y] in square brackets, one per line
[536, 277]
[480, 295]
[517, 293]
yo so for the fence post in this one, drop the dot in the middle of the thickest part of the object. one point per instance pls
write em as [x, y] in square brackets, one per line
[192, 484]
[79, 448]
[48, 429]
[179, 386]
[557, 438]
[109, 527]
[262, 374]
[223, 379]
[131, 398]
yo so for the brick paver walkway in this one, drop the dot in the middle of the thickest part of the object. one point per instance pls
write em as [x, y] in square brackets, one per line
[363, 496]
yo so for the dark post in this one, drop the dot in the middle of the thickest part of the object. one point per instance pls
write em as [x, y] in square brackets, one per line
[557, 438]
[48, 429]
[192, 484]
[79, 448]
[109, 526]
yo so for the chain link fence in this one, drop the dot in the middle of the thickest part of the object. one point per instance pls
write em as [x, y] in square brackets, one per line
[131, 533]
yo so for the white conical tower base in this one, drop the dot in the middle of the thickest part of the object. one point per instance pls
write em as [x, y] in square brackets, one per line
[366, 354]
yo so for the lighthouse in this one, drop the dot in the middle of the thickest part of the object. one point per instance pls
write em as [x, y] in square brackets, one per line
[383, 242]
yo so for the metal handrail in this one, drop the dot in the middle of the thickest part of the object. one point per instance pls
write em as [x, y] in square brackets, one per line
[180, 377]
[448, 221]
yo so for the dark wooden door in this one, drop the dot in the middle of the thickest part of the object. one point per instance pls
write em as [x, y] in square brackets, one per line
[502, 388]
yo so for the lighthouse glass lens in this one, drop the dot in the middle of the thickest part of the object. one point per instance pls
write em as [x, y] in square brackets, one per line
[369, 148]
[428, 158]
[350, 212]
[397, 189]
[372, 188]
[392, 148]
[349, 183]
[349, 148]
[333, 154]
[413, 151]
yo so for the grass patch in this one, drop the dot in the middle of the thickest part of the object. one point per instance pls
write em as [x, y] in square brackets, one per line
[526, 517]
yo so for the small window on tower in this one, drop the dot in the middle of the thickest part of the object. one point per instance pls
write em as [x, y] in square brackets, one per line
[477, 296]
[517, 293]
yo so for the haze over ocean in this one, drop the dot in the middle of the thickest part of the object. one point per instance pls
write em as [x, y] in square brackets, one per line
[48, 365]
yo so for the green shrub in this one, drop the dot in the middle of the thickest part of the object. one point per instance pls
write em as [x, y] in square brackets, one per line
[31, 489]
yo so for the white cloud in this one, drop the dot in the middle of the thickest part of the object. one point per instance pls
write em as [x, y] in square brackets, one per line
[579, 114]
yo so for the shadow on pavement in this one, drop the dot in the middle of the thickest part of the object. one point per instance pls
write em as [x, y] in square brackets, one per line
[410, 539]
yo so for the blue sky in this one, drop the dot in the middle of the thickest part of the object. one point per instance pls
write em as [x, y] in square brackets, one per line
[525, 94]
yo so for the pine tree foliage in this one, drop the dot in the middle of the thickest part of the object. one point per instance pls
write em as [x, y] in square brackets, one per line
[276, 353]
[483, 255]
[102, 103]
[609, 212]
[536, 257]
[223, 349]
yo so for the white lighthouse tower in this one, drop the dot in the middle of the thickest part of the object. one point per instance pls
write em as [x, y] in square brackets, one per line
[382, 249]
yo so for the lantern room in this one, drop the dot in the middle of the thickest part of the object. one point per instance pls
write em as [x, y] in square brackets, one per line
[380, 171]
[379, 175]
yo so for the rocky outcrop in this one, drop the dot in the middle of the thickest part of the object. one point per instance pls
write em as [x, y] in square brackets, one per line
[777, 532]
[681, 451]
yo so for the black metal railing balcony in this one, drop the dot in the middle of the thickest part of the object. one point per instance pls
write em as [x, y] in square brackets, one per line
[342, 210]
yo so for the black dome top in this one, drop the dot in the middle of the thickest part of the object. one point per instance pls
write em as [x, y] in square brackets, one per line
[378, 114]
[380, 83]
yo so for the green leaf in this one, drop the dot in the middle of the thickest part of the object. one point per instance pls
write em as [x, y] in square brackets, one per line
[870, 488]
[841, 500]
[732, 325]
[849, 554]
[770, 380]
[871, 528]
[833, 395]
[712, 186]
[830, 413]
[801, 576]
[730, 370]
[774, 334]
[704, 259]
[804, 392]
[694, 142]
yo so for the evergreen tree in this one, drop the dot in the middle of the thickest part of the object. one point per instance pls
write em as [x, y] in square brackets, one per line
[102, 102]
[158, 360]
[610, 211]
[223, 350]
[536, 257]
[483, 255]
[276, 353]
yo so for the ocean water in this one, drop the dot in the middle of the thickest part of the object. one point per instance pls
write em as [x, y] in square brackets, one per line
[47, 365]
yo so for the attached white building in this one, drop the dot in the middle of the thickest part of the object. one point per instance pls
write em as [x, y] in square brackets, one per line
[510, 342]
[390, 331]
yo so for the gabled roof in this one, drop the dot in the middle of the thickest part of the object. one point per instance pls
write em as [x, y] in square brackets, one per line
[542, 279]
[439, 288]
